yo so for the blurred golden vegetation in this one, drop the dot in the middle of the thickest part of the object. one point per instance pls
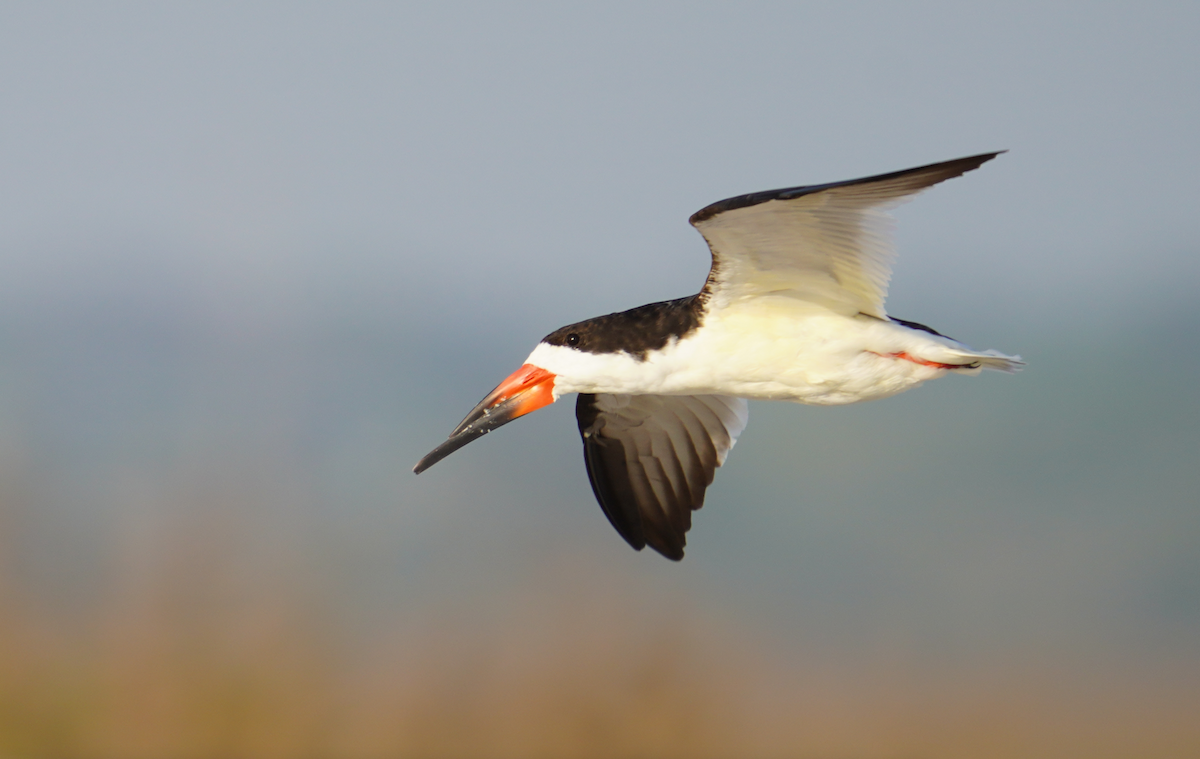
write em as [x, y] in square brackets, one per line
[201, 637]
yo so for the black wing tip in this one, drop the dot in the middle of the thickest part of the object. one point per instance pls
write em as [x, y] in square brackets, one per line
[671, 552]
[953, 168]
[671, 549]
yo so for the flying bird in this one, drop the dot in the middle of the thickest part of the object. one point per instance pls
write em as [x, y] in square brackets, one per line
[792, 310]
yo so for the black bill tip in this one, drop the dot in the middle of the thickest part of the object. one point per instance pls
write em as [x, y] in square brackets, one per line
[483, 419]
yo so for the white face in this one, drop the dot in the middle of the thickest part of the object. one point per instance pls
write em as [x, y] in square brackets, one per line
[578, 371]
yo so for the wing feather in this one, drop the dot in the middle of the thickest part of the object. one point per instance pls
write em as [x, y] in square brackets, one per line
[615, 495]
[650, 459]
[829, 244]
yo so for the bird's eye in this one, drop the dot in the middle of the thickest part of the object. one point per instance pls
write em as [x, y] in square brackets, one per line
[572, 339]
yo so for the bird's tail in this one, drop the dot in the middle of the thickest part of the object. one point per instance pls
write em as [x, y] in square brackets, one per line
[976, 360]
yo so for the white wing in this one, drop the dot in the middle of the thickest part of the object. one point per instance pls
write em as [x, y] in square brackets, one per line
[829, 244]
[651, 457]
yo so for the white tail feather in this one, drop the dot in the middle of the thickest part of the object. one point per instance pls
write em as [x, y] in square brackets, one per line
[991, 360]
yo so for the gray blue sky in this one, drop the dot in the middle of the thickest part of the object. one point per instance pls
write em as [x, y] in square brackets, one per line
[270, 253]
[258, 156]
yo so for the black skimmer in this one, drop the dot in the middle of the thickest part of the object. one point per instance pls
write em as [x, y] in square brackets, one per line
[792, 310]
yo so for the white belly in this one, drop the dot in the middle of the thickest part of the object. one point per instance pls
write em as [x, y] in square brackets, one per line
[806, 355]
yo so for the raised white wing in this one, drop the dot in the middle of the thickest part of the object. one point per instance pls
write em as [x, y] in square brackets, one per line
[651, 457]
[829, 244]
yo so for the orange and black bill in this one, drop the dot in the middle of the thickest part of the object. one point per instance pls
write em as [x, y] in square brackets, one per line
[527, 389]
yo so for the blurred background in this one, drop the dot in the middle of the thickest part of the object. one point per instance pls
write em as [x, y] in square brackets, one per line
[257, 258]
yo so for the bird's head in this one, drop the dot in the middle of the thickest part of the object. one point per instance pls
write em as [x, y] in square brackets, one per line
[606, 354]
[558, 365]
